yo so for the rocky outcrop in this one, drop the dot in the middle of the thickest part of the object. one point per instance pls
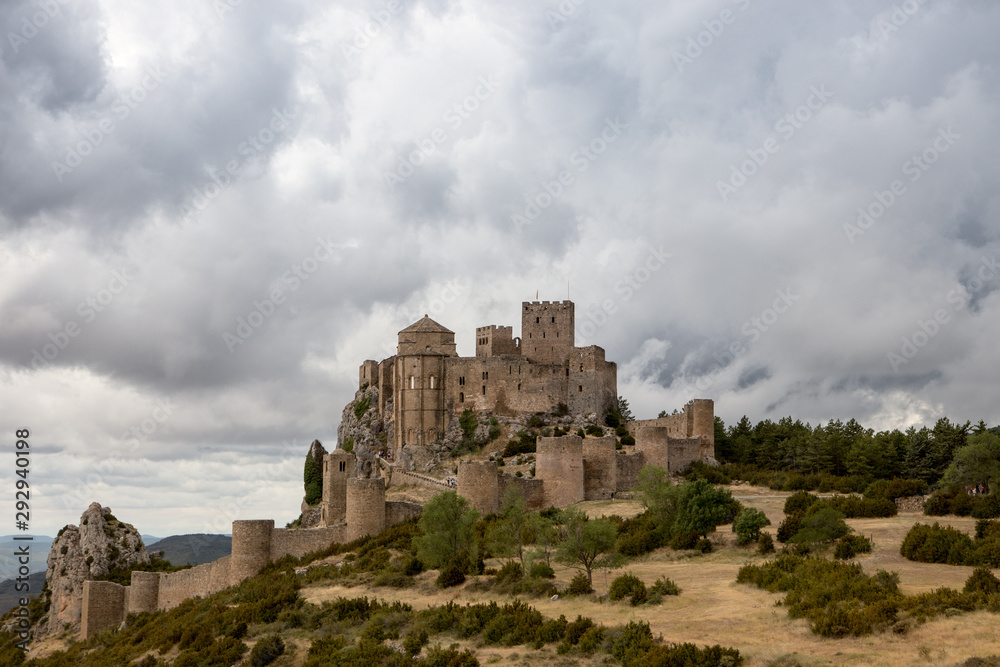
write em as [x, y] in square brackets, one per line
[80, 553]
[311, 514]
[363, 431]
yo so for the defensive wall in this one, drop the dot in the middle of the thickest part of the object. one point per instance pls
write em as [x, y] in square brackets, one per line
[255, 544]
[569, 469]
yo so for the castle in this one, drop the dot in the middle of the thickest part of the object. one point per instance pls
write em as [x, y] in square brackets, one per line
[428, 384]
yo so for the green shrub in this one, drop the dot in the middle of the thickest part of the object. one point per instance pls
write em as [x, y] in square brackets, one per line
[630, 586]
[580, 432]
[765, 544]
[361, 406]
[799, 502]
[982, 581]
[450, 575]
[825, 525]
[266, 651]
[748, 525]
[628, 440]
[511, 572]
[595, 430]
[789, 527]
[524, 443]
[542, 570]
[415, 640]
[592, 639]
[468, 423]
[535, 421]
[936, 544]
[576, 629]
[579, 585]
[851, 545]
[664, 586]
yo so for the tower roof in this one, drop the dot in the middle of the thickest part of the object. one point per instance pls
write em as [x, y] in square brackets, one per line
[427, 325]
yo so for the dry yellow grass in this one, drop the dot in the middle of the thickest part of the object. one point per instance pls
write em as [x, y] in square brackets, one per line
[712, 609]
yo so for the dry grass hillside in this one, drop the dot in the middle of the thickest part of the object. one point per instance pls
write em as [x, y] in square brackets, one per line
[712, 609]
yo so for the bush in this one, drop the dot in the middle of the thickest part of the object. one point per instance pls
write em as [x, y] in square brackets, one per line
[415, 640]
[748, 525]
[450, 576]
[765, 544]
[851, 545]
[542, 570]
[361, 407]
[576, 629]
[664, 586]
[524, 443]
[592, 639]
[936, 544]
[595, 430]
[982, 581]
[799, 502]
[825, 525]
[266, 651]
[579, 585]
[511, 572]
[789, 527]
[630, 586]
[628, 440]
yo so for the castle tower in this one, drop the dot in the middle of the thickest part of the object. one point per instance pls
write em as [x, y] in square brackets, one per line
[547, 331]
[144, 593]
[479, 483]
[559, 464]
[365, 507]
[251, 548]
[338, 467]
[418, 378]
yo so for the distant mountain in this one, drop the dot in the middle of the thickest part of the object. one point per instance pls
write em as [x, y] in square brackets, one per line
[194, 549]
[38, 550]
[9, 597]
[149, 539]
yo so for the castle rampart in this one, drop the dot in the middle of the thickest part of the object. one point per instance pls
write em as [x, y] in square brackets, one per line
[103, 607]
[559, 461]
[600, 468]
[479, 483]
[365, 508]
[251, 549]
[144, 593]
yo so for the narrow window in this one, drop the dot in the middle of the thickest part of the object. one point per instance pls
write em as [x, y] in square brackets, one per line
[519, 386]
[461, 397]
[432, 381]
[413, 382]
[484, 390]
[580, 389]
[553, 320]
[543, 334]
[343, 466]
[567, 372]
[536, 320]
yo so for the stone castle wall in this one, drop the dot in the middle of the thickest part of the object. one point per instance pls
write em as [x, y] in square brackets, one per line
[533, 490]
[479, 483]
[600, 468]
[399, 477]
[559, 462]
[107, 608]
[365, 508]
[628, 466]
[398, 511]
[696, 419]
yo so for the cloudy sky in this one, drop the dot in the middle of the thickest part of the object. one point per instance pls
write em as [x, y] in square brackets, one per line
[212, 212]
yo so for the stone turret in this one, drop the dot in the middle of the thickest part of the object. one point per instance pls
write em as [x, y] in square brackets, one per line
[81, 553]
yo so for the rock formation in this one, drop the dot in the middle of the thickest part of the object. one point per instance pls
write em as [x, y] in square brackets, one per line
[100, 543]
[311, 514]
[363, 431]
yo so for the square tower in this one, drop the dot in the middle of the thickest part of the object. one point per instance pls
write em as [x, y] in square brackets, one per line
[547, 331]
[338, 467]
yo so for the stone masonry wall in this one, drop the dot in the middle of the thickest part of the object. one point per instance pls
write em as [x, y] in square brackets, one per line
[298, 543]
[365, 508]
[600, 469]
[559, 463]
[479, 483]
[398, 511]
[103, 607]
[628, 466]
[533, 490]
